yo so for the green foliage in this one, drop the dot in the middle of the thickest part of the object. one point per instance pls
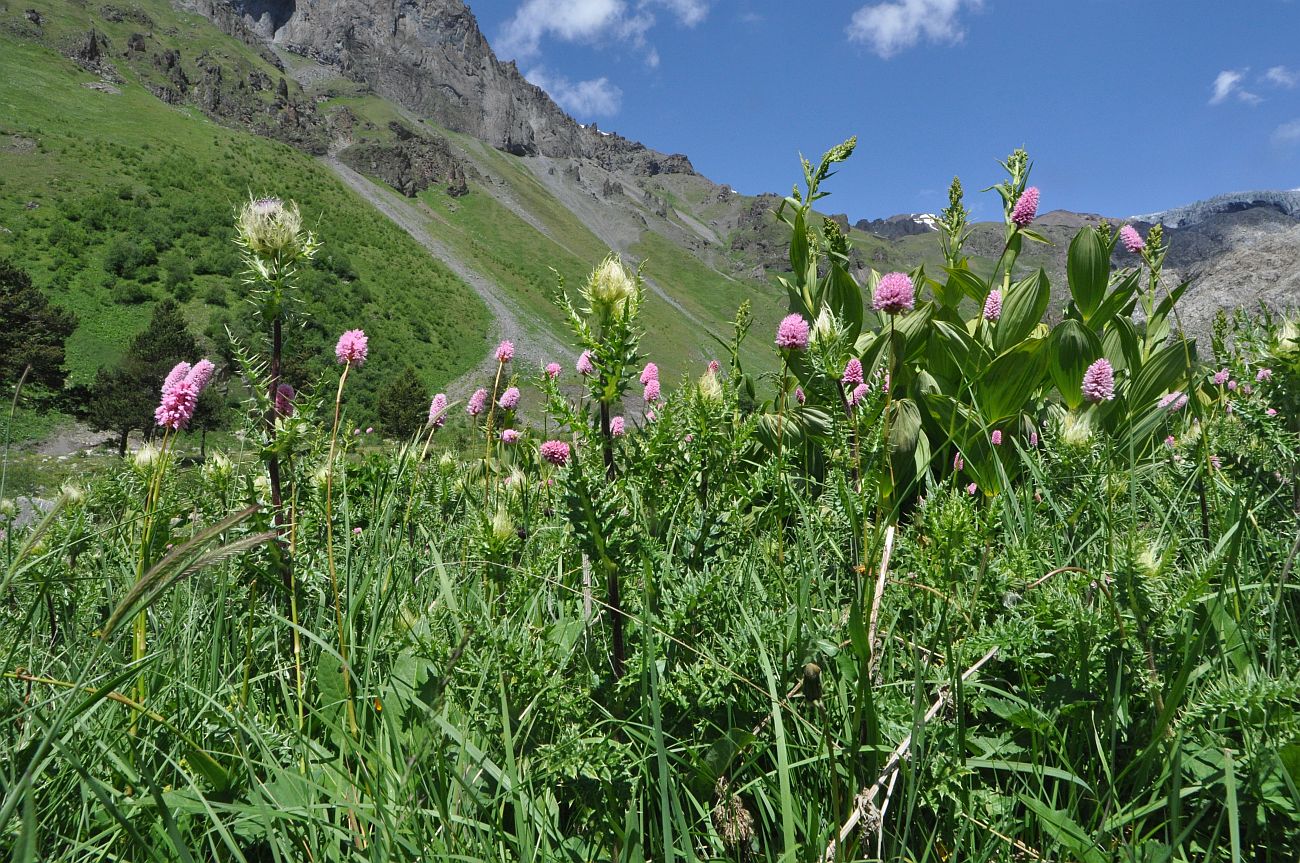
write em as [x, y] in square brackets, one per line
[403, 404]
[32, 340]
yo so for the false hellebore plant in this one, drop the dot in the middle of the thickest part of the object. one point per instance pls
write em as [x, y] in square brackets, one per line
[964, 359]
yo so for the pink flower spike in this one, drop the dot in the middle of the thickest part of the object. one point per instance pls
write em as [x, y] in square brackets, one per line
[201, 374]
[858, 395]
[179, 372]
[370, 429]
[799, 395]
[352, 348]
[958, 463]
[996, 437]
[714, 367]
[1232, 385]
[1026, 207]
[651, 394]
[505, 351]
[852, 372]
[555, 451]
[1099, 381]
[792, 333]
[438, 410]
[894, 293]
[1270, 412]
[477, 403]
[1263, 374]
[993, 305]
[1169, 441]
[284, 398]
[1221, 377]
[972, 488]
[1131, 239]
[356, 531]
[509, 399]
[509, 436]
[553, 370]
[1033, 440]
[584, 365]
[617, 427]
[649, 373]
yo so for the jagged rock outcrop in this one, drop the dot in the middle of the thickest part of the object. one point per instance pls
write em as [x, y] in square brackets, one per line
[431, 57]
[410, 164]
[1286, 203]
[901, 225]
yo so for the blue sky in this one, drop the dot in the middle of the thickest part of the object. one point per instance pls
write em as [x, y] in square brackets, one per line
[1126, 107]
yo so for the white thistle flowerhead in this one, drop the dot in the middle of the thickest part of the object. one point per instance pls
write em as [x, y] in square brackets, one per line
[610, 287]
[1076, 430]
[503, 528]
[710, 388]
[217, 467]
[826, 329]
[262, 488]
[145, 458]
[446, 462]
[270, 228]
[8, 508]
[72, 494]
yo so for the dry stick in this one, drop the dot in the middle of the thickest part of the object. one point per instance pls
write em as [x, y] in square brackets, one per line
[878, 596]
[865, 797]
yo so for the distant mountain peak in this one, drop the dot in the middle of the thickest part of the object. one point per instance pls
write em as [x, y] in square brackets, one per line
[1285, 201]
[899, 225]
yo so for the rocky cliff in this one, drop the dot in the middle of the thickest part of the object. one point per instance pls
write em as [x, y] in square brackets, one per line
[430, 57]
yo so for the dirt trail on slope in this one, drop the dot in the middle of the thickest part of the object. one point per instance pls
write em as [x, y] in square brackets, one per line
[533, 343]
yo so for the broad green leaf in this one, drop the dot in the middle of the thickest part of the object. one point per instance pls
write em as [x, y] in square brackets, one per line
[1022, 309]
[967, 283]
[1088, 268]
[1165, 370]
[1010, 380]
[1063, 829]
[1073, 347]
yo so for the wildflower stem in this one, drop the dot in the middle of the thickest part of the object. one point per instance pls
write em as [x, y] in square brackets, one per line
[329, 549]
[273, 460]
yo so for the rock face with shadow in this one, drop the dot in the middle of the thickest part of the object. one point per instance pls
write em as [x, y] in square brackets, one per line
[431, 57]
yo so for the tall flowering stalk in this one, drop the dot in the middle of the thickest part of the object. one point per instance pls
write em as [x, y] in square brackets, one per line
[179, 399]
[894, 295]
[274, 244]
[351, 351]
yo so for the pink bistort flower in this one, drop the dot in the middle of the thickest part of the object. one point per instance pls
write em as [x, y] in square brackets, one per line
[858, 395]
[996, 437]
[993, 305]
[894, 293]
[1221, 377]
[1099, 381]
[509, 399]
[1131, 239]
[505, 351]
[477, 403]
[852, 372]
[714, 367]
[553, 370]
[1026, 207]
[958, 462]
[438, 410]
[799, 395]
[180, 394]
[792, 333]
[1263, 374]
[584, 365]
[555, 451]
[649, 373]
[509, 436]
[617, 427]
[352, 348]
[651, 394]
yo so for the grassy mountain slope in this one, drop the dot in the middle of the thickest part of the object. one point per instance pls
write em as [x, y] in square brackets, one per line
[114, 199]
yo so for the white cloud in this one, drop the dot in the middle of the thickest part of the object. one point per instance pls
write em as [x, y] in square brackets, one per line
[1281, 76]
[1227, 85]
[596, 97]
[589, 21]
[1287, 135]
[888, 28]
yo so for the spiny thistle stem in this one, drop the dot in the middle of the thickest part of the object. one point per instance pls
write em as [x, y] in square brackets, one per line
[273, 462]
